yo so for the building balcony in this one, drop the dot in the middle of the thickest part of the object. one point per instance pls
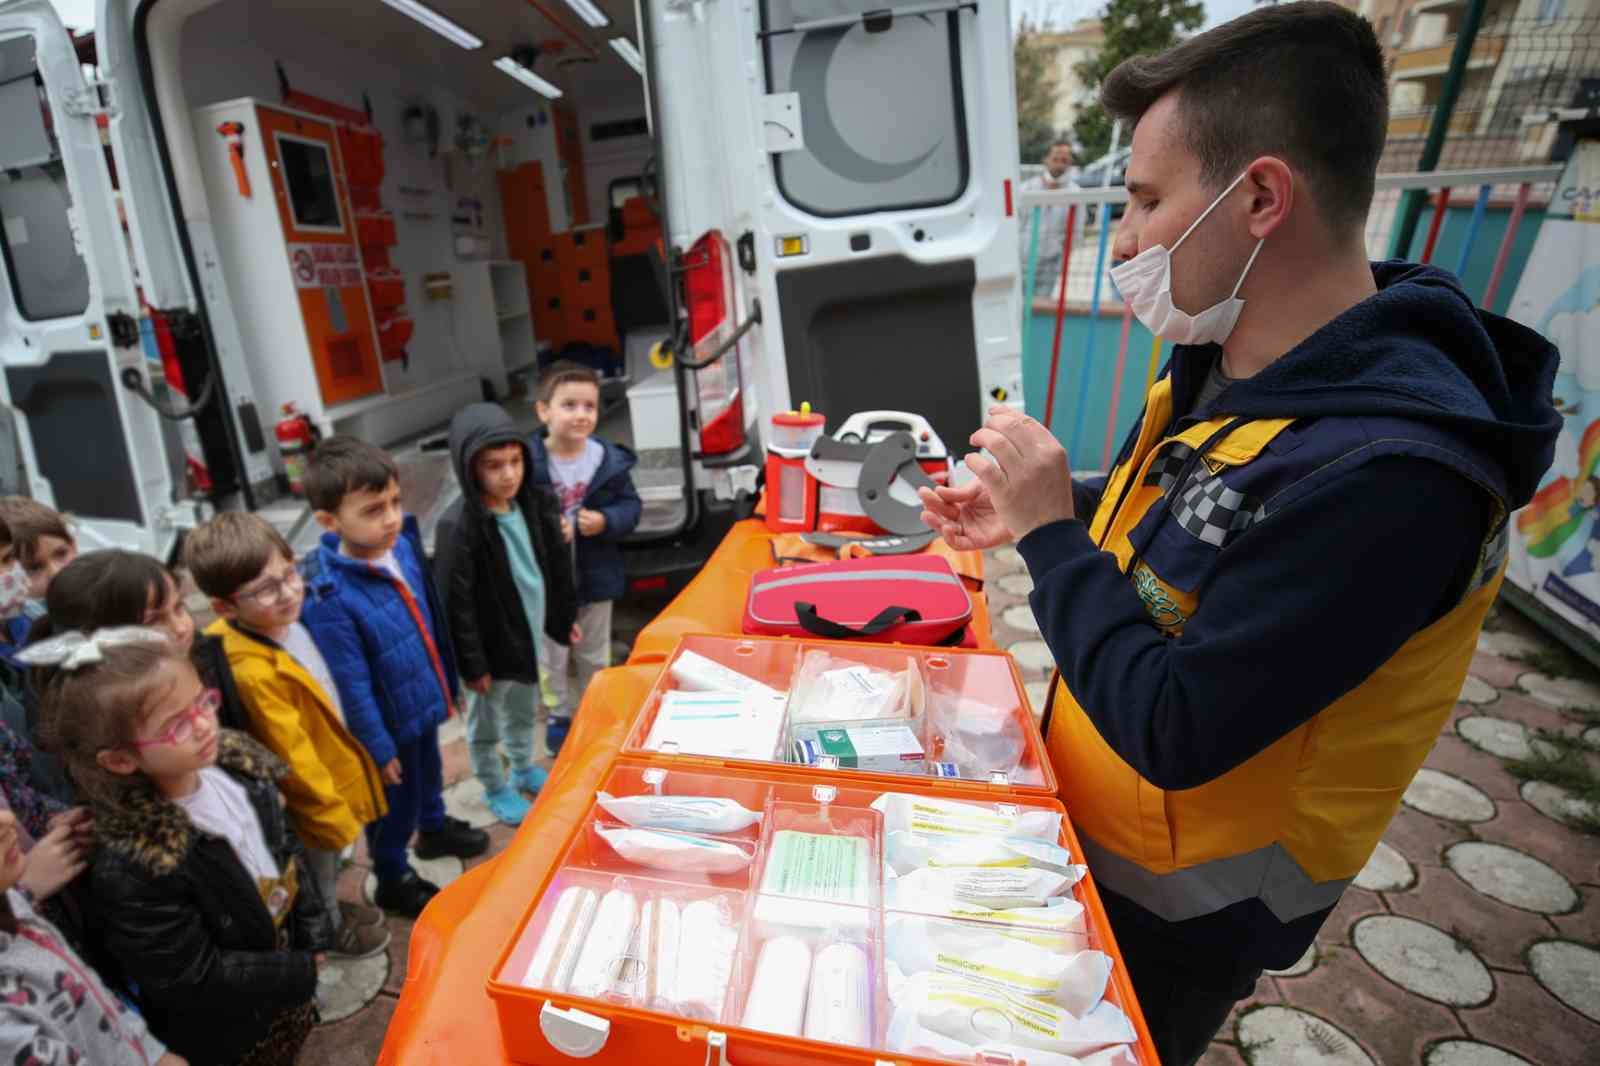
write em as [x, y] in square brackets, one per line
[1434, 61]
[1415, 123]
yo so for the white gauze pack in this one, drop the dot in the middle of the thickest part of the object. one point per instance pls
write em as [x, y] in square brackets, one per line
[1075, 982]
[918, 829]
[675, 851]
[777, 1001]
[696, 673]
[838, 1010]
[605, 949]
[980, 1015]
[1058, 926]
[689, 814]
[705, 959]
[908, 1035]
[994, 887]
[562, 941]
[830, 689]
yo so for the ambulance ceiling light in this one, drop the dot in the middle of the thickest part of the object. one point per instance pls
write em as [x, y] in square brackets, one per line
[625, 48]
[589, 12]
[437, 23]
[507, 65]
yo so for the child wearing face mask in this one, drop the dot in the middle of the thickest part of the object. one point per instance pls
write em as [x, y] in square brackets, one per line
[197, 881]
[54, 1008]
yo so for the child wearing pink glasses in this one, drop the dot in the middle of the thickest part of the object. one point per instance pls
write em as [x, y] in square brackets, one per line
[199, 886]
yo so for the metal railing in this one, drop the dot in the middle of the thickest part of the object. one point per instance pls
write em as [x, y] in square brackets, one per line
[1066, 255]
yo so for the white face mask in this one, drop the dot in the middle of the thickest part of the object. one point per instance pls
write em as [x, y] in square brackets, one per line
[1145, 281]
[13, 590]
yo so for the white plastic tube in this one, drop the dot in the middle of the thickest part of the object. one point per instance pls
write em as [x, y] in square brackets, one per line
[606, 947]
[838, 1009]
[562, 941]
[777, 1002]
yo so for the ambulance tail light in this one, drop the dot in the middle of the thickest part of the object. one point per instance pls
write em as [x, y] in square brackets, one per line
[710, 298]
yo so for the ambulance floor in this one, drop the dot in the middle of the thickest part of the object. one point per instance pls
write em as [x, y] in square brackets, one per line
[1470, 939]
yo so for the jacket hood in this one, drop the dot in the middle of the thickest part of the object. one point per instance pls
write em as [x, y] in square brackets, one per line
[1418, 349]
[154, 833]
[474, 428]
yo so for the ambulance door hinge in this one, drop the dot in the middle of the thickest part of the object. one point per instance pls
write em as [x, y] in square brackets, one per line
[85, 102]
[124, 329]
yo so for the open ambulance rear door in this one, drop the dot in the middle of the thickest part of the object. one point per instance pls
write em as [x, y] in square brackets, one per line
[70, 315]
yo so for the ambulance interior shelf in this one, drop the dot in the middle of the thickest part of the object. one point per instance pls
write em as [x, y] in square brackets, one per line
[853, 915]
[836, 709]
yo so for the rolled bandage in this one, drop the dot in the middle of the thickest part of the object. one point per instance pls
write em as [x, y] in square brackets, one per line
[678, 852]
[562, 941]
[705, 959]
[688, 814]
[777, 1002]
[838, 1009]
[660, 933]
[605, 951]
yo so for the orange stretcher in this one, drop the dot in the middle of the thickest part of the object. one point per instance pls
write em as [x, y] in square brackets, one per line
[457, 1006]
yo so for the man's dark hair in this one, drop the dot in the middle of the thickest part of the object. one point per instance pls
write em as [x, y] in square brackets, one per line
[1301, 81]
[565, 372]
[344, 464]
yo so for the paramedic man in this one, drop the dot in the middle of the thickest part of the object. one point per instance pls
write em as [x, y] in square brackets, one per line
[1262, 620]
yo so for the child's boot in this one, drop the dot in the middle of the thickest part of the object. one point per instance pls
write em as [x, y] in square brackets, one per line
[406, 895]
[555, 733]
[507, 804]
[454, 837]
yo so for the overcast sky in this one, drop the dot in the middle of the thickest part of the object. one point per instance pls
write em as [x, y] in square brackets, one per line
[79, 14]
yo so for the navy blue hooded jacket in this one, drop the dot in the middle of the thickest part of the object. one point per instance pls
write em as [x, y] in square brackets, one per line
[611, 492]
[1359, 554]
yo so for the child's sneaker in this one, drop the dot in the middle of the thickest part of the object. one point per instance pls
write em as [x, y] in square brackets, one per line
[507, 805]
[359, 914]
[530, 779]
[360, 941]
[555, 733]
[454, 837]
[405, 896]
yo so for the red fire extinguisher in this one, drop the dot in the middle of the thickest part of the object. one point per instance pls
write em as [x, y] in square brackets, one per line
[296, 437]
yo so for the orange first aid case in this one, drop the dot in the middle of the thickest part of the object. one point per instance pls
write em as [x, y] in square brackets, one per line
[786, 886]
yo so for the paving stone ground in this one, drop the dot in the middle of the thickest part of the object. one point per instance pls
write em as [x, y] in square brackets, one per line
[1473, 941]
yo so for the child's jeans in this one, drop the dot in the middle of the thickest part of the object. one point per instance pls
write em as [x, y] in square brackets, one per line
[417, 802]
[323, 866]
[505, 715]
[592, 654]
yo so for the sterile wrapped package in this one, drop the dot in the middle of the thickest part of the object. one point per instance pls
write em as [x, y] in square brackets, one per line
[678, 852]
[697, 673]
[562, 940]
[660, 934]
[832, 689]
[1058, 926]
[839, 1007]
[689, 814]
[705, 958]
[994, 887]
[1021, 852]
[730, 724]
[605, 949]
[908, 1035]
[979, 1014]
[1075, 982]
[978, 737]
[919, 828]
[777, 1001]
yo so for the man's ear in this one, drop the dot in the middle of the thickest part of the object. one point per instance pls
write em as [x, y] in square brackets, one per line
[117, 761]
[1270, 183]
[327, 520]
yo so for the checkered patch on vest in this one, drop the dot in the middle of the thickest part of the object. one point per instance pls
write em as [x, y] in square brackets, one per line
[1213, 512]
[1493, 556]
[1166, 468]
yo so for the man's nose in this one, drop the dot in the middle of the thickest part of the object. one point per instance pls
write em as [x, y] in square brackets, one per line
[1125, 242]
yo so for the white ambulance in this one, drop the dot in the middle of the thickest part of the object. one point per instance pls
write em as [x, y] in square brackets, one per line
[380, 210]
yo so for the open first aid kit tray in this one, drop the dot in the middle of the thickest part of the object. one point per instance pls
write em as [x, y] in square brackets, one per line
[722, 909]
[736, 916]
[832, 711]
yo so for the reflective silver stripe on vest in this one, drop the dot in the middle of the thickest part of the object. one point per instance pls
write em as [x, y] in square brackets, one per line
[1269, 874]
[862, 575]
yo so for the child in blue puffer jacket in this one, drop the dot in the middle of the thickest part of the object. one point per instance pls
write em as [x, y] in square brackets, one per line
[371, 607]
